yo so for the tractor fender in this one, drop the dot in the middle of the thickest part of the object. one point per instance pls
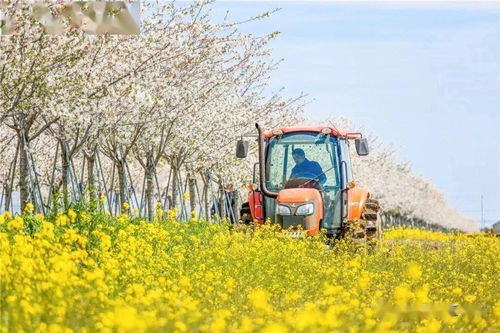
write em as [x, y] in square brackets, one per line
[356, 201]
[255, 203]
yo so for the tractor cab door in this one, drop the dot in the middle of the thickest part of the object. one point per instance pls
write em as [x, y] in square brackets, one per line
[346, 176]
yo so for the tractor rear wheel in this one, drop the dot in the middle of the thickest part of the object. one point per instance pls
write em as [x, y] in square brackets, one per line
[368, 228]
[371, 215]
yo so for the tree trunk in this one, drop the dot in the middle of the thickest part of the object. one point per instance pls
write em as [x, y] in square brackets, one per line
[192, 193]
[65, 175]
[149, 188]
[205, 201]
[236, 206]
[24, 182]
[170, 203]
[8, 195]
[9, 184]
[91, 176]
[91, 180]
[174, 187]
[122, 181]
[222, 202]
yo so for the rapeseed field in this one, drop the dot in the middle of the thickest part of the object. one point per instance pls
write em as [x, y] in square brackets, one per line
[89, 272]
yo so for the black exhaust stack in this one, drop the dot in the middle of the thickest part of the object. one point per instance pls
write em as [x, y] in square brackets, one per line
[262, 165]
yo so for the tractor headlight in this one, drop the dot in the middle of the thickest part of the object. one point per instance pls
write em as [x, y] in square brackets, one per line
[283, 210]
[306, 209]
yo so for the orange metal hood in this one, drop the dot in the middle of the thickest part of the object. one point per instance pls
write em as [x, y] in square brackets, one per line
[297, 195]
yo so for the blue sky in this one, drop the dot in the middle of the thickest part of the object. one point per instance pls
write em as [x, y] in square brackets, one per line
[425, 78]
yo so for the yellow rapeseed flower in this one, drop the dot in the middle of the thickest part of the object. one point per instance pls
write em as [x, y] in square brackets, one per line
[125, 206]
[122, 218]
[402, 295]
[172, 214]
[29, 208]
[16, 223]
[259, 299]
[275, 327]
[62, 219]
[71, 215]
[470, 298]
[85, 217]
[364, 281]
[180, 326]
[192, 276]
[429, 326]
[496, 309]
[123, 319]
[413, 271]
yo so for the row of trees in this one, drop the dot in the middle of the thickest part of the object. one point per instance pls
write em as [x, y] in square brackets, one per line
[180, 93]
[159, 112]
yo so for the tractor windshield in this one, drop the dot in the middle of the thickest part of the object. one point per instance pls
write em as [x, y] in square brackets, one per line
[302, 157]
[305, 158]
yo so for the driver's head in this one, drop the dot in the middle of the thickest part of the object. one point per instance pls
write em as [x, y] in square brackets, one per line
[298, 155]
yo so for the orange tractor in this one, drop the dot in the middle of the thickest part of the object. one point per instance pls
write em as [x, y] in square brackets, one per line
[306, 184]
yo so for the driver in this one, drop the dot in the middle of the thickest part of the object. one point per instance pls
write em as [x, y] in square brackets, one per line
[306, 169]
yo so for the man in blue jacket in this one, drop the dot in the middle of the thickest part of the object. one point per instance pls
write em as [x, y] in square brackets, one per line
[305, 168]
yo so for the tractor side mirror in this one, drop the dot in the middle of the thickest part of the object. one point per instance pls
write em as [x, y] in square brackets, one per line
[241, 149]
[361, 146]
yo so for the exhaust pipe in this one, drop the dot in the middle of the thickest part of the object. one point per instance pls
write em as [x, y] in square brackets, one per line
[262, 166]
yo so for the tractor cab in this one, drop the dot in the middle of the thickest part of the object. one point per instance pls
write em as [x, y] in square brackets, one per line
[299, 164]
[305, 176]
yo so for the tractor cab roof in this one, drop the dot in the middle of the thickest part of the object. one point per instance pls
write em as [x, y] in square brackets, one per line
[317, 129]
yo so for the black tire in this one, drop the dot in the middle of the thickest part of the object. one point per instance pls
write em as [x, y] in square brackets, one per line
[371, 214]
[245, 213]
